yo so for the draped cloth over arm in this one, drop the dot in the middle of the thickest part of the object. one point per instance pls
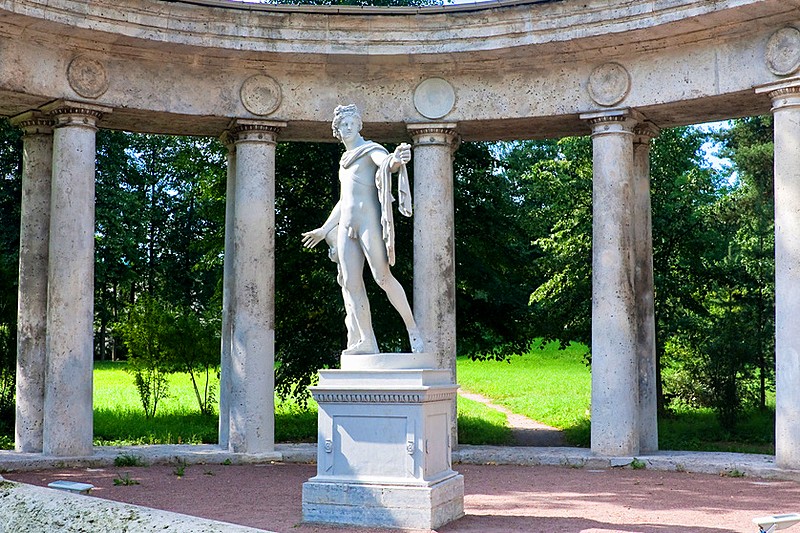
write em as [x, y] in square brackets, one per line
[383, 181]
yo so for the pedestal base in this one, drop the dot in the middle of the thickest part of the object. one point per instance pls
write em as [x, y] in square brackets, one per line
[383, 453]
[376, 505]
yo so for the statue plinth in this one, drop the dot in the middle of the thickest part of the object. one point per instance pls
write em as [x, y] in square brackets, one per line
[383, 453]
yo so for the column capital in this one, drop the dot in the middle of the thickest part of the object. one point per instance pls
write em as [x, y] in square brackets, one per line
[254, 131]
[619, 120]
[33, 122]
[72, 113]
[783, 93]
[644, 131]
[435, 133]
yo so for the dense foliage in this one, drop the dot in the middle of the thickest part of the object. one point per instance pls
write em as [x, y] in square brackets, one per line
[523, 255]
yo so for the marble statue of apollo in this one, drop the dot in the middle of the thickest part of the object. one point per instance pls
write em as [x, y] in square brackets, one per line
[361, 227]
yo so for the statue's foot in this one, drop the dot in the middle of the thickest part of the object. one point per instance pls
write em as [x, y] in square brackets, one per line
[361, 348]
[417, 343]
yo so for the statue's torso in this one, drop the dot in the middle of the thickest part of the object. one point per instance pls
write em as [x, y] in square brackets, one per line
[359, 194]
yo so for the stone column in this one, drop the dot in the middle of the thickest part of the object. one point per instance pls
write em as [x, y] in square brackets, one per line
[434, 245]
[643, 286]
[615, 377]
[70, 297]
[227, 307]
[37, 167]
[252, 292]
[785, 97]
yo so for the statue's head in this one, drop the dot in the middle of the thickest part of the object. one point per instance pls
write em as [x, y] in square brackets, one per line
[340, 113]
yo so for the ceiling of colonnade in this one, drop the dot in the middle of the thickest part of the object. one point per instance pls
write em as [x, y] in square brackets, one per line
[511, 69]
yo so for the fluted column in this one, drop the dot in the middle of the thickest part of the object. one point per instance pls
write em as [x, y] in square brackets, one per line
[70, 297]
[227, 308]
[434, 244]
[644, 290]
[252, 291]
[615, 378]
[785, 97]
[37, 167]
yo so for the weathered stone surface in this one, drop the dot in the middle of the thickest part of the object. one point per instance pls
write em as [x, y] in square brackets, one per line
[34, 241]
[521, 71]
[615, 402]
[384, 505]
[30, 508]
[786, 109]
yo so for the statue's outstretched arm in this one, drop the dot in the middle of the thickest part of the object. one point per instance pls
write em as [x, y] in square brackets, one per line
[315, 236]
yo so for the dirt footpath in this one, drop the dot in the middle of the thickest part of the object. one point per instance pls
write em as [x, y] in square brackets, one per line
[534, 499]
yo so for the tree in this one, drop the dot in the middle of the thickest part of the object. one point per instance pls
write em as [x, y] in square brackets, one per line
[10, 195]
[144, 330]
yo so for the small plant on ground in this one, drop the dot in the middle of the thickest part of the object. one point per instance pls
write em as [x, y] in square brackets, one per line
[124, 479]
[127, 459]
[227, 462]
[732, 473]
[638, 464]
[180, 467]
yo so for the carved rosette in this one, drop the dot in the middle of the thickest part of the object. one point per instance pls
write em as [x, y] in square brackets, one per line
[87, 77]
[609, 84]
[783, 51]
[260, 94]
[434, 98]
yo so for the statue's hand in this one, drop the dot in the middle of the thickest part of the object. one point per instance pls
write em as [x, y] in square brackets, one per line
[402, 154]
[313, 237]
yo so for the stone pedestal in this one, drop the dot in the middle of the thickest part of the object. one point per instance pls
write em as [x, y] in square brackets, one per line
[383, 456]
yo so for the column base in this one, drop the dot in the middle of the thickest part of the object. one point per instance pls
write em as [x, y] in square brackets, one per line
[376, 505]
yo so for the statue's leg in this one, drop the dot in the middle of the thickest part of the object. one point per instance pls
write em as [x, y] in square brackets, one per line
[354, 293]
[375, 252]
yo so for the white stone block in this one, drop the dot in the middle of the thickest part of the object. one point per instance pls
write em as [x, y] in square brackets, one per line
[384, 456]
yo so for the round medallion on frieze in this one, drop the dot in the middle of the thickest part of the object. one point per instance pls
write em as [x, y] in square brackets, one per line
[609, 84]
[260, 94]
[783, 51]
[434, 98]
[87, 77]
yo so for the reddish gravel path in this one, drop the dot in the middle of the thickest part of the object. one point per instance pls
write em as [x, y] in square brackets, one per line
[498, 498]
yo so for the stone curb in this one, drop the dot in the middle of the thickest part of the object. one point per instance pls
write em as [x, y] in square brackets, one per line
[729, 464]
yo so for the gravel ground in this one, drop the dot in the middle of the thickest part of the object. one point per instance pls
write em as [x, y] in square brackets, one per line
[498, 498]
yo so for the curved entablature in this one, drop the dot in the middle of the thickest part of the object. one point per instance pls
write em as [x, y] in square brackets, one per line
[505, 70]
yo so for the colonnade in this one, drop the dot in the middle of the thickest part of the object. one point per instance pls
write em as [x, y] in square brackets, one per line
[54, 394]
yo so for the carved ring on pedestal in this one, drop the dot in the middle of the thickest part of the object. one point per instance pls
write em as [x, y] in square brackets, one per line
[783, 51]
[434, 98]
[87, 77]
[260, 94]
[609, 84]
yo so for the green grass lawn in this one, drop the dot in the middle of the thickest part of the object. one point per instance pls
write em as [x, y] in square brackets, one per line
[546, 384]
[119, 418]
